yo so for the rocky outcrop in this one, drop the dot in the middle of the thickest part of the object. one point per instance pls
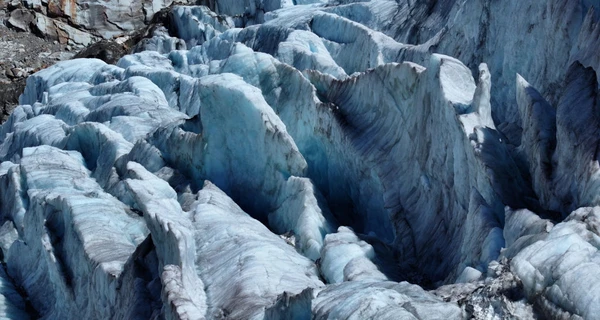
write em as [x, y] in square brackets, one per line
[80, 24]
[77, 21]
[52, 29]
[62, 32]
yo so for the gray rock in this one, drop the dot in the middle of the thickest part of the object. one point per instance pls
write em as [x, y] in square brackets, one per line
[80, 22]
[17, 72]
[9, 73]
[105, 50]
[107, 19]
[61, 32]
[20, 19]
[60, 56]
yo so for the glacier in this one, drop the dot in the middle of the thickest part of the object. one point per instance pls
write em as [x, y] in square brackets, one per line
[273, 159]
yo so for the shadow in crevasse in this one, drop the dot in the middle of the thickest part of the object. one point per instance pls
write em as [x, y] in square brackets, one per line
[510, 178]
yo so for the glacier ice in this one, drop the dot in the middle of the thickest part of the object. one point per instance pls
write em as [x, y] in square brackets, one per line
[71, 251]
[270, 159]
[380, 300]
[555, 262]
[347, 258]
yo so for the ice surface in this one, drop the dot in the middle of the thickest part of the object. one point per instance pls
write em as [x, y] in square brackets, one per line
[266, 266]
[347, 258]
[294, 159]
[560, 263]
[380, 300]
[72, 232]
[198, 24]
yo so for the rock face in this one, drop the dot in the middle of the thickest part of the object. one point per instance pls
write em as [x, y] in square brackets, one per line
[69, 18]
[78, 23]
[60, 31]
[310, 159]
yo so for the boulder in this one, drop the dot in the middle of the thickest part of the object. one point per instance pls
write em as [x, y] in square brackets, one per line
[105, 50]
[21, 19]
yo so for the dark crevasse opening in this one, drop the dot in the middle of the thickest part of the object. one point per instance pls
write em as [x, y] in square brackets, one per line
[17, 301]
[141, 276]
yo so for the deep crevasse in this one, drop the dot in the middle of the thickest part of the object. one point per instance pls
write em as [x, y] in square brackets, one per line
[136, 190]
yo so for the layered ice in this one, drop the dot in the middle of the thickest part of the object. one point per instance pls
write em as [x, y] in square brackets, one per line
[381, 300]
[309, 159]
[556, 262]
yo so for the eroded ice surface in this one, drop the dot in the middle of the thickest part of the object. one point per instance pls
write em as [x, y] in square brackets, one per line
[313, 159]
